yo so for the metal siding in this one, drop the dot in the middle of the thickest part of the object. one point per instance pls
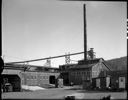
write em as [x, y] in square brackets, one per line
[95, 71]
[34, 78]
[103, 82]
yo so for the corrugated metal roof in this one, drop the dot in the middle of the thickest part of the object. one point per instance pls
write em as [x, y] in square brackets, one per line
[118, 72]
[82, 66]
[25, 65]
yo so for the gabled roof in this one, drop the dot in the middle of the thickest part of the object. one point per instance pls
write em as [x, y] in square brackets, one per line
[106, 65]
[117, 72]
[90, 61]
[90, 64]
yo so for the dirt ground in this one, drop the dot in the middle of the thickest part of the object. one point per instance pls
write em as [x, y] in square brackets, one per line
[60, 93]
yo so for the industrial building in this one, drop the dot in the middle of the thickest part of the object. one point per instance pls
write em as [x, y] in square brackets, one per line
[17, 75]
[79, 73]
[94, 74]
[91, 72]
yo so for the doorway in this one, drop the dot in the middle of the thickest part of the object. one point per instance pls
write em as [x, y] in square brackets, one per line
[13, 80]
[122, 82]
[52, 79]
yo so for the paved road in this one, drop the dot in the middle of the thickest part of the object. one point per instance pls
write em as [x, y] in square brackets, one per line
[59, 93]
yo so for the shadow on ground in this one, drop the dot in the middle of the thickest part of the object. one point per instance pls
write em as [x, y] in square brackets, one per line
[79, 89]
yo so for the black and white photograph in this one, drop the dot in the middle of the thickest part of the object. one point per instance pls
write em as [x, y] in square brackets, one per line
[64, 49]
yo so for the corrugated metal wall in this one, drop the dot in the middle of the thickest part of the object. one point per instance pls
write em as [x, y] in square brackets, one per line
[37, 78]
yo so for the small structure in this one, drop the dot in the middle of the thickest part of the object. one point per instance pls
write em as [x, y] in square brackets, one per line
[118, 79]
[112, 80]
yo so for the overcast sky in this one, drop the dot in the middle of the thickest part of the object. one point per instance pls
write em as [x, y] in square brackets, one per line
[33, 29]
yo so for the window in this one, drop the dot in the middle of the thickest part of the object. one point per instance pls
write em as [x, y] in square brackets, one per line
[75, 73]
[28, 76]
[87, 72]
[31, 77]
[87, 78]
[46, 77]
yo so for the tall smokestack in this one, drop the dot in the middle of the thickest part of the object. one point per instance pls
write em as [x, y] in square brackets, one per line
[85, 34]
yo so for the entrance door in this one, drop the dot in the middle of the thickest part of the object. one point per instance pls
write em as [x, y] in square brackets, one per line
[121, 82]
[98, 82]
[107, 82]
[52, 79]
[86, 84]
[13, 80]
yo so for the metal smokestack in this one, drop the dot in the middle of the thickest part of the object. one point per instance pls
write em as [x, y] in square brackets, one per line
[85, 34]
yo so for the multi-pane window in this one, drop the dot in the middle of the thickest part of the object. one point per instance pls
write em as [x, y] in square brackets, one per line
[43, 77]
[28, 76]
[72, 73]
[81, 73]
[75, 74]
[78, 73]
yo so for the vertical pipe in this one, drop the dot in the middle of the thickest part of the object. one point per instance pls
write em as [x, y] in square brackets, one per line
[85, 34]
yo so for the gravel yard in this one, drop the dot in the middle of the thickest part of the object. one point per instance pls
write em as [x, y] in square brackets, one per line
[60, 93]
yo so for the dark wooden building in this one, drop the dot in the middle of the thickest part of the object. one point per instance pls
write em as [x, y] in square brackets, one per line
[83, 73]
[118, 79]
